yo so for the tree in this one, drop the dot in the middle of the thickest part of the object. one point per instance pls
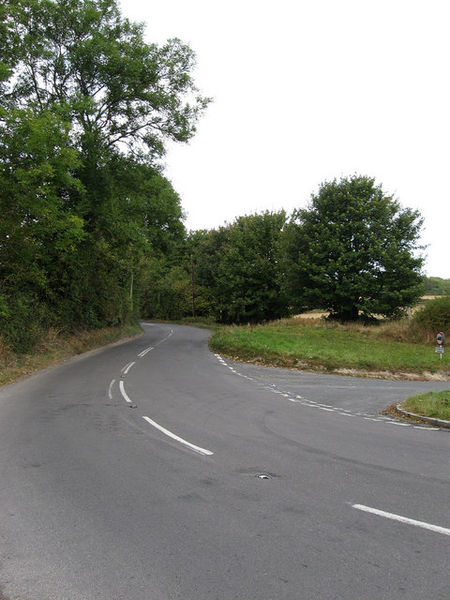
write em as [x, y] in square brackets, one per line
[239, 263]
[79, 79]
[352, 252]
[437, 286]
[82, 57]
[38, 235]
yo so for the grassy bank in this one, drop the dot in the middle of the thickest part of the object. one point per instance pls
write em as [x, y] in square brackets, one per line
[332, 347]
[56, 347]
[433, 404]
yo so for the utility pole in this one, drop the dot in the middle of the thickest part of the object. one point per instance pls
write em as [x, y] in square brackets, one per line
[192, 285]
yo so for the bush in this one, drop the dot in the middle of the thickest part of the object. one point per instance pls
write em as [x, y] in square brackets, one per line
[434, 316]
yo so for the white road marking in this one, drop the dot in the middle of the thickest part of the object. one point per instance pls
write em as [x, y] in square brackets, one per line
[179, 439]
[123, 392]
[128, 367]
[144, 352]
[345, 412]
[110, 389]
[387, 515]
[165, 339]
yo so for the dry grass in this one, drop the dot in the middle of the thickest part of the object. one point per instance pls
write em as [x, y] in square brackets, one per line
[56, 347]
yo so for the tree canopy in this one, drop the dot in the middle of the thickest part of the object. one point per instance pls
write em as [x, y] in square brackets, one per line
[353, 251]
[87, 107]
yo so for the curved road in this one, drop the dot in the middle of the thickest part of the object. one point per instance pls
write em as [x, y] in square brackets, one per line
[156, 470]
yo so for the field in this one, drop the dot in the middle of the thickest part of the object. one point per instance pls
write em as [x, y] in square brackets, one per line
[319, 345]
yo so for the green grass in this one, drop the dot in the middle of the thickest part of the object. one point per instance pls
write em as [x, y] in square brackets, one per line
[433, 404]
[321, 345]
[56, 347]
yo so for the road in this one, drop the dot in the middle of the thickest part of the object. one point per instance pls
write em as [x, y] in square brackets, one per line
[157, 470]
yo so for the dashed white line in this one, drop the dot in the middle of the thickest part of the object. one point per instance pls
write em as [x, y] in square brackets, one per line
[345, 412]
[123, 392]
[178, 438]
[144, 352]
[128, 367]
[110, 389]
[401, 519]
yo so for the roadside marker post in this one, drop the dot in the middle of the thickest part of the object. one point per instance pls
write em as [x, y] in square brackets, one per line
[440, 341]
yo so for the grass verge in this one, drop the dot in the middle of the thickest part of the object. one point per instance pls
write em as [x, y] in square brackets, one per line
[432, 404]
[320, 345]
[57, 347]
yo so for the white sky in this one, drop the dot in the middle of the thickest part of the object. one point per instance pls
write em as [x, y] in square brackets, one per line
[306, 91]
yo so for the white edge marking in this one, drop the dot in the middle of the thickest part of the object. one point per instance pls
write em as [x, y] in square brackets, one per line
[123, 392]
[387, 515]
[110, 389]
[178, 439]
[128, 367]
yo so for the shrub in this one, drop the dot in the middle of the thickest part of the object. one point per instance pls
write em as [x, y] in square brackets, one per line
[434, 316]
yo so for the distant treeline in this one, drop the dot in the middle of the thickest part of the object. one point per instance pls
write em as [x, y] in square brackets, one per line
[436, 286]
[350, 252]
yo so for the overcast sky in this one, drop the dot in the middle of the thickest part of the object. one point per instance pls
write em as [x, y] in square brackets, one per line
[309, 91]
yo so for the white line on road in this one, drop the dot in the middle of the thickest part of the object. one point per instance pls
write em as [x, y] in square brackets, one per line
[144, 352]
[110, 389]
[179, 439]
[128, 367]
[387, 515]
[123, 392]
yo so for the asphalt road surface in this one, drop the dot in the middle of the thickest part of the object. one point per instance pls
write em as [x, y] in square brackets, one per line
[156, 470]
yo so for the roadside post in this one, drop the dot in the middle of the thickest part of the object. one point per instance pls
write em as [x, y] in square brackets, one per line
[440, 341]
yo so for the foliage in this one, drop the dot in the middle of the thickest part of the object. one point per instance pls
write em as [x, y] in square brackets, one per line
[84, 58]
[86, 109]
[239, 264]
[436, 286]
[38, 235]
[434, 315]
[352, 252]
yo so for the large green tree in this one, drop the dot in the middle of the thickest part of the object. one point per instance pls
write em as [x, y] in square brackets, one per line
[239, 264]
[96, 105]
[83, 57]
[353, 252]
